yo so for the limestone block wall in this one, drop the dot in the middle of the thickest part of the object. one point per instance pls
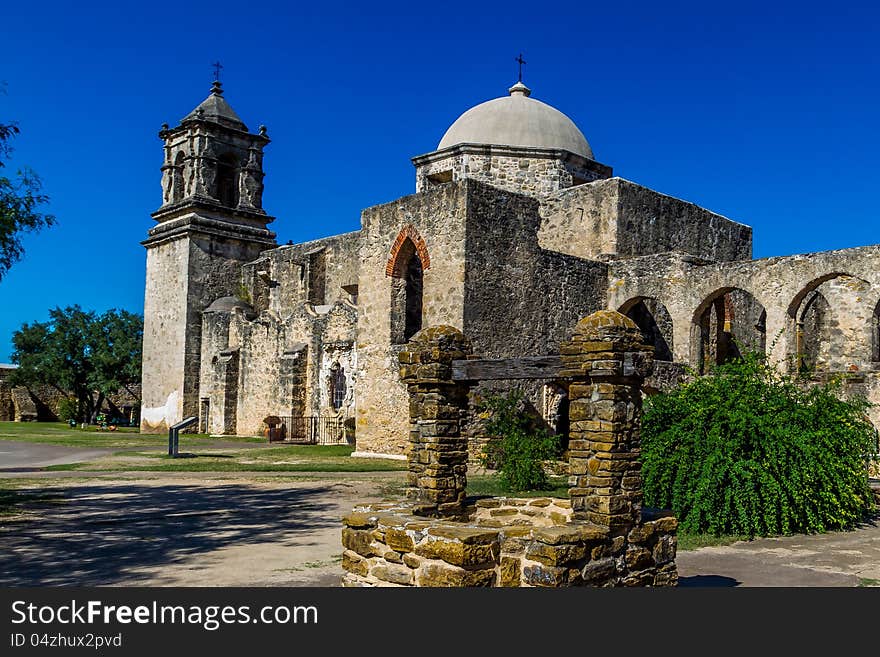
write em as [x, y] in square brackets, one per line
[258, 365]
[618, 218]
[25, 409]
[520, 298]
[165, 316]
[188, 267]
[507, 542]
[439, 216]
[531, 171]
[313, 272]
[214, 380]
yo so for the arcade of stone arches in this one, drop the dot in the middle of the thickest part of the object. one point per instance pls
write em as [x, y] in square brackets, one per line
[832, 324]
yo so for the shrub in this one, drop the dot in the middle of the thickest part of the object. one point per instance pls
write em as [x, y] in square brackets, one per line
[749, 451]
[517, 446]
[67, 408]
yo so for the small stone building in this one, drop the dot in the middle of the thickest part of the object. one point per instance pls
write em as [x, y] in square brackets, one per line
[514, 232]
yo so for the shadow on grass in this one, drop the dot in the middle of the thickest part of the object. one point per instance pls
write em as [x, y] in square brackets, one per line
[106, 533]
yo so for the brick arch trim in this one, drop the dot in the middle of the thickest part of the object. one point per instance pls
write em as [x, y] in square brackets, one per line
[395, 268]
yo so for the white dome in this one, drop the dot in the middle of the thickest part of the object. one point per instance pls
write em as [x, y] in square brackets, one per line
[517, 120]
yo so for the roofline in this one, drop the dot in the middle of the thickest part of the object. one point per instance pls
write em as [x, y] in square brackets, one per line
[501, 149]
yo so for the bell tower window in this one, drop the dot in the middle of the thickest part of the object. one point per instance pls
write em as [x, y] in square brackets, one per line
[227, 181]
[178, 184]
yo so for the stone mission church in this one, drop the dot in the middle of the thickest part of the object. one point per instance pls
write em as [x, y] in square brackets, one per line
[514, 232]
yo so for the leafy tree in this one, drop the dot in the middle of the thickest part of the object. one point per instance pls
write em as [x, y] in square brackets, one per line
[20, 196]
[80, 353]
[749, 450]
[518, 446]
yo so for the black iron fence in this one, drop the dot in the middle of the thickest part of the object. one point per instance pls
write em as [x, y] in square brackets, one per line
[310, 430]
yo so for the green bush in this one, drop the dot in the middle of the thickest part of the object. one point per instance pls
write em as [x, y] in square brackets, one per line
[749, 451]
[67, 408]
[517, 445]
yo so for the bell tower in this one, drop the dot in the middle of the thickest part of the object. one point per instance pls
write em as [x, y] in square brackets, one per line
[210, 223]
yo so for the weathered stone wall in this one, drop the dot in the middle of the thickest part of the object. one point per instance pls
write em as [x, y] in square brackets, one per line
[618, 218]
[531, 171]
[256, 365]
[519, 298]
[184, 275]
[439, 216]
[315, 272]
[41, 402]
[164, 351]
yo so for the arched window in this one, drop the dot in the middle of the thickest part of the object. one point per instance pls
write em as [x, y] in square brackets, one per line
[338, 387]
[227, 180]
[409, 259]
[413, 309]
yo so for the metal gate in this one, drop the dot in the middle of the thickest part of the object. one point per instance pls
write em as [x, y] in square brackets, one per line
[311, 430]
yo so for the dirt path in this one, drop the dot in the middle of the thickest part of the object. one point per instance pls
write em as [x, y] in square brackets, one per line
[188, 530]
[283, 529]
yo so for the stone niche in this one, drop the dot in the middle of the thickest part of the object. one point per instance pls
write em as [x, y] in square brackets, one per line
[600, 536]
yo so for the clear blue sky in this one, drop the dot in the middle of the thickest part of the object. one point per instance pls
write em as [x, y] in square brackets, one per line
[764, 112]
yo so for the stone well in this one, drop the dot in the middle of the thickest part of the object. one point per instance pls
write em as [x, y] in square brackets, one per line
[600, 536]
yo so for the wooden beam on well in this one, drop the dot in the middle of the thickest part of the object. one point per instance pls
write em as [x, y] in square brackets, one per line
[495, 369]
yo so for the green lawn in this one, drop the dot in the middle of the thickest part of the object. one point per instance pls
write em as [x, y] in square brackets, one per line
[695, 541]
[237, 454]
[277, 458]
[58, 433]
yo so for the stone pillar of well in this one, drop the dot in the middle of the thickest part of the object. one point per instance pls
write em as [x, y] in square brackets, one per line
[438, 453]
[606, 362]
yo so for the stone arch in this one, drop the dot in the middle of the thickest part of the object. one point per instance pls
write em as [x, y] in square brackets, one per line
[407, 285]
[653, 318]
[831, 327]
[728, 321]
[396, 265]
